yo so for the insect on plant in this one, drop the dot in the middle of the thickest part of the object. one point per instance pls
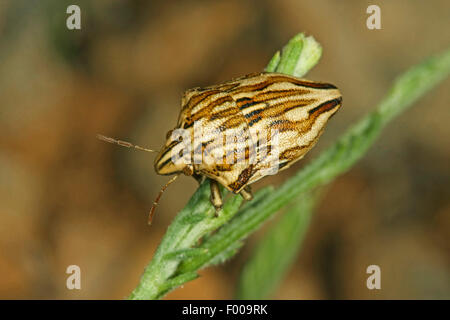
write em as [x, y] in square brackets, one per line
[240, 131]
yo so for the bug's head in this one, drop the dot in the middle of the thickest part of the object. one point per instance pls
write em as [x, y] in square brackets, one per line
[172, 159]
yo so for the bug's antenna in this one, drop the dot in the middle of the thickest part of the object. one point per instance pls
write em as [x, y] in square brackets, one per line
[122, 143]
[155, 203]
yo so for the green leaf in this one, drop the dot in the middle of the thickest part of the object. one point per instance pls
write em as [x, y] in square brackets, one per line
[184, 254]
[299, 56]
[226, 254]
[276, 252]
[273, 63]
[173, 283]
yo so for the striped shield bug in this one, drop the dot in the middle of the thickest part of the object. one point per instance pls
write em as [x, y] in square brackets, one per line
[240, 131]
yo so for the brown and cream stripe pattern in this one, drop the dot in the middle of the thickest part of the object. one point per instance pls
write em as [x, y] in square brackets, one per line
[250, 110]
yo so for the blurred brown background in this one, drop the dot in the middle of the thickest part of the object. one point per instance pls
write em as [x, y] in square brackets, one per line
[67, 198]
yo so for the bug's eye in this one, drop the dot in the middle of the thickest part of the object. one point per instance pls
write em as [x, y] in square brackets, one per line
[169, 134]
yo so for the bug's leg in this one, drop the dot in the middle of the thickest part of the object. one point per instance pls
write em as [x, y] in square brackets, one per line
[246, 193]
[216, 197]
[200, 178]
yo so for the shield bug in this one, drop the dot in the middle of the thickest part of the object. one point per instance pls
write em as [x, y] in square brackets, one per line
[237, 132]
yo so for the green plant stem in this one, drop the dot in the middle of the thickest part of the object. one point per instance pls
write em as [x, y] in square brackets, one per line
[193, 222]
[277, 250]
